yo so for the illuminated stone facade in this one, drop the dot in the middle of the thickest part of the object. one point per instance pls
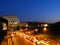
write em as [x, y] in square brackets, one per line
[12, 19]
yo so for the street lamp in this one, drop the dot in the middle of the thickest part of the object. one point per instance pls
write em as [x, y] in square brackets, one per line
[44, 29]
[36, 30]
[11, 38]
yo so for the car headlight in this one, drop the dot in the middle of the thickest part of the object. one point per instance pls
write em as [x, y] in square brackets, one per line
[38, 43]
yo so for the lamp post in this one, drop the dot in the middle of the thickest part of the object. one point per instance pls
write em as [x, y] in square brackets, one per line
[45, 27]
[12, 36]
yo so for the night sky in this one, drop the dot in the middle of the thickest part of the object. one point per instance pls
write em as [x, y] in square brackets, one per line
[32, 10]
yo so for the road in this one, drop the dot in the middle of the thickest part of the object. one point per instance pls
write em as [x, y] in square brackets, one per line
[47, 38]
[21, 39]
[17, 40]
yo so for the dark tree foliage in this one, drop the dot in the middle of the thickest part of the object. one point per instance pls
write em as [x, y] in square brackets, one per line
[2, 32]
[55, 29]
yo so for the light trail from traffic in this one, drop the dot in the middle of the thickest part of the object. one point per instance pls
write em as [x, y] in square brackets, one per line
[31, 38]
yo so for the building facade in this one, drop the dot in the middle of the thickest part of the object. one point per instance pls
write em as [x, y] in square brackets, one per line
[12, 19]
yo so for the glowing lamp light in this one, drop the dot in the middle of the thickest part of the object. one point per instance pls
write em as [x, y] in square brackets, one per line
[36, 30]
[44, 29]
[45, 25]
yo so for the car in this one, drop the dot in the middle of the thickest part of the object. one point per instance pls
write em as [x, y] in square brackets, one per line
[37, 42]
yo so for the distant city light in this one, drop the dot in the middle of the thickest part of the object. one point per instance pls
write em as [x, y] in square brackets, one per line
[38, 25]
[45, 25]
[36, 29]
[44, 29]
[26, 28]
[26, 25]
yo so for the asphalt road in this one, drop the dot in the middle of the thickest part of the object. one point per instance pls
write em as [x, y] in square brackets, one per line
[17, 40]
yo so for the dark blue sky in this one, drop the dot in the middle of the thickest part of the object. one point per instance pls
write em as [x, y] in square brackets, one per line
[32, 10]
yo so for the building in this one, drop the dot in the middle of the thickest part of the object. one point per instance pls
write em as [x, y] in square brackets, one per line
[12, 19]
[23, 24]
